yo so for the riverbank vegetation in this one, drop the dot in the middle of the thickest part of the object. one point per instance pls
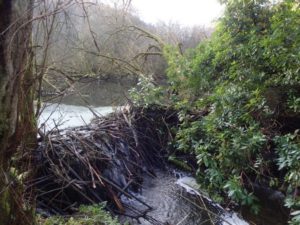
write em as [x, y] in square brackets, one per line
[245, 80]
[86, 215]
[231, 104]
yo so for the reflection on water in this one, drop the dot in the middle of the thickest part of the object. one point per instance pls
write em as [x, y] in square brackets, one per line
[63, 116]
[97, 93]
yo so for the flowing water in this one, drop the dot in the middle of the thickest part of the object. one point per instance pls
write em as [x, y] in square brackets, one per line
[169, 198]
[175, 200]
[64, 116]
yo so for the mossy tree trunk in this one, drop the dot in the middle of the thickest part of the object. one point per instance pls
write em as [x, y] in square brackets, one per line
[17, 124]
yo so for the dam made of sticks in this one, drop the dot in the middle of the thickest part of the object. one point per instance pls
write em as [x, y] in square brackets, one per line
[101, 161]
[127, 161]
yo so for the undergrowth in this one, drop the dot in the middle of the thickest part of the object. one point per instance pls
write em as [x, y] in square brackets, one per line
[87, 215]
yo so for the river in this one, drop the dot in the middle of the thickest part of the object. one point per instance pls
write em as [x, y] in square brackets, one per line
[62, 116]
[176, 200]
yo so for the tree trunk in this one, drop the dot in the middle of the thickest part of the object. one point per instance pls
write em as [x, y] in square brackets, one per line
[17, 124]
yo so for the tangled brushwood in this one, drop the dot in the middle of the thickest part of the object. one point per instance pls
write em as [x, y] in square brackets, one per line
[101, 161]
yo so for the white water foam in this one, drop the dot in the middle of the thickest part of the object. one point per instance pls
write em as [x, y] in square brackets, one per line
[191, 186]
[64, 116]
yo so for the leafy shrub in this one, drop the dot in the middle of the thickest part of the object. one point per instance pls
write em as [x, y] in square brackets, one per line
[288, 148]
[254, 51]
[87, 215]
[146, 92]
[247, 76]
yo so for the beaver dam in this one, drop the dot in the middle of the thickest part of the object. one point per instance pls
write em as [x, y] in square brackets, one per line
[121, 159]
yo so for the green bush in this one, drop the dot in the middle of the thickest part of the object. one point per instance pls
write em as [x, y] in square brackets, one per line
[247, 76]
[87, 215]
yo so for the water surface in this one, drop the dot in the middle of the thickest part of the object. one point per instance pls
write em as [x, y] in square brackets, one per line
[64, 116]
[175, 201]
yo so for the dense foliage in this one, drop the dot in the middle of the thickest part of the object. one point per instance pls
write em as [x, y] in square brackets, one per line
[247, 77]
[87, 215]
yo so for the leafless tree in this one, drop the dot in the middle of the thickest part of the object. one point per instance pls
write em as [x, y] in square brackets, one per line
[96, 40]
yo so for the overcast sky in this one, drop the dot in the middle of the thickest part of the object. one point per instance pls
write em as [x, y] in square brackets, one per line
[185, 12]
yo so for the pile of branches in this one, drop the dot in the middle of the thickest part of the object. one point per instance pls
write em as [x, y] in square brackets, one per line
[101, 161]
